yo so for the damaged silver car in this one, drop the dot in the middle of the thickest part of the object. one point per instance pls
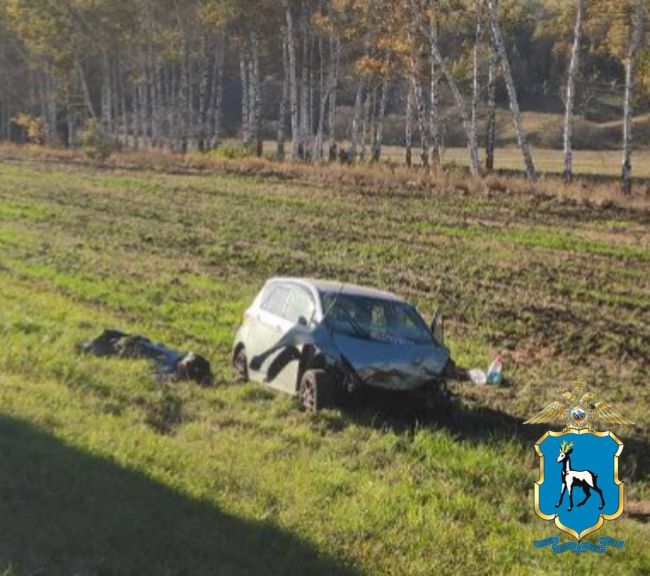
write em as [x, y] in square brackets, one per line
[319, 339]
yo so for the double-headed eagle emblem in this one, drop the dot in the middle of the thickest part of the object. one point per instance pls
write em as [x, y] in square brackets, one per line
[578, 408]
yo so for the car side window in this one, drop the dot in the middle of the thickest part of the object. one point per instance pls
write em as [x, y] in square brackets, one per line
[300, 305]
[275, 301]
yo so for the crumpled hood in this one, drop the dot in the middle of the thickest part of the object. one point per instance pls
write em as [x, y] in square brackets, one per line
[391, 366]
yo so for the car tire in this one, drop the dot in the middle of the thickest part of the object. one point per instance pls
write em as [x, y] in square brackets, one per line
[240, 364]
[316, 391]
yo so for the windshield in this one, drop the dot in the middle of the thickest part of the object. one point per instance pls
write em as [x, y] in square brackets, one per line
[376, 319]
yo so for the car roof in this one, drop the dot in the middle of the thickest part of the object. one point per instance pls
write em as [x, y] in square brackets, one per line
[333, 286]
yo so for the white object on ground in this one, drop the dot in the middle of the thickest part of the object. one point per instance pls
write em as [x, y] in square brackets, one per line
[477, 376]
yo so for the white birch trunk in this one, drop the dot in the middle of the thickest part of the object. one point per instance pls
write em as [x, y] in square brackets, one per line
[379, 126]
[216, 114]
[423, 127]
[245, 99]
[570, 95]
[106, 94]
[630, 72]
[123, 109]
[256, 98]
[512, 91]
[305, 121]
[434, 109]
[183, 103]
[293, 88]
[472, 142]
[356, 120]
[408, 125]
[203, 103]
[368, 106]
[335, 47]
[51, 84]
[136, 116]
[284, 99]
[88, 103]
[475, 77]
[327, 86]
[491, 124]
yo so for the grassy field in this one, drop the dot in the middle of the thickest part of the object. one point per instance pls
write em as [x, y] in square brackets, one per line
[585, 162]
[106, 470]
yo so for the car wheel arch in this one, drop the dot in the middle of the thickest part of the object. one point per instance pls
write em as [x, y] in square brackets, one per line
[311, 358]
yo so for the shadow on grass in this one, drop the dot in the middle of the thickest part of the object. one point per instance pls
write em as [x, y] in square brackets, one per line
[401, 411]
[63, 511]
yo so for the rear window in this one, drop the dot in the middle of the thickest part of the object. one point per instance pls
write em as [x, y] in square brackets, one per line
[276, 299]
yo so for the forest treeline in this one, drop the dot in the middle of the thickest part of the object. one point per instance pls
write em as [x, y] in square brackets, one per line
[318, 76]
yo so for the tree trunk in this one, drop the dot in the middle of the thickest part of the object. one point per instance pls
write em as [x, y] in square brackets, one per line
[51, 84]
[356, 120]
[434, 110]
[570, 95]
[305, 121]
[204, 103]
[174, 118]
[183, 103]
[475, 78]
[152, 101]
[136, 116]
[123, 110]
[296, 144]
[512, 91]
[335, 47]
[408, 125]
[420, 106]
[368, 107]
[256, 94]
[379, 126]
[85, 91]
[146, 106]
[191, 102]
[106, 104]
[284, 98]
[470, 130]
[491, 128]
[630, 72]
[71, 122]
[245, 99]
[216, 94]
[327, 85]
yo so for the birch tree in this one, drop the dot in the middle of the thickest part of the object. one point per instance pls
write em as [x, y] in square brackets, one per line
[500, 47]
[639, 17]
[570, 93]
[491, 122]
[293, 86]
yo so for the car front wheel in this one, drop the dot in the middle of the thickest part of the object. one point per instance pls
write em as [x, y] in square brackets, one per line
[316, 390]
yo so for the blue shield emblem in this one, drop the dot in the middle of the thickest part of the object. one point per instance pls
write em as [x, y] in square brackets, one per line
[578, 484]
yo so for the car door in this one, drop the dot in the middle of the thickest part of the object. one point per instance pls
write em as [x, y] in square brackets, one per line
[267, 329]
[299, 310]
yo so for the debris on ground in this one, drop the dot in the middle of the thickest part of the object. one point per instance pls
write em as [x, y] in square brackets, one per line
[494, 373]
[477, 376]
[493, 376]
[168, 363]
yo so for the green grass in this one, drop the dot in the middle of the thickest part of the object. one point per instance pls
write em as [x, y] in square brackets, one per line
[106, 470]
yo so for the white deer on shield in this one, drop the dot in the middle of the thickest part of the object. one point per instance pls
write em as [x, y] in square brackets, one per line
[586, 479]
